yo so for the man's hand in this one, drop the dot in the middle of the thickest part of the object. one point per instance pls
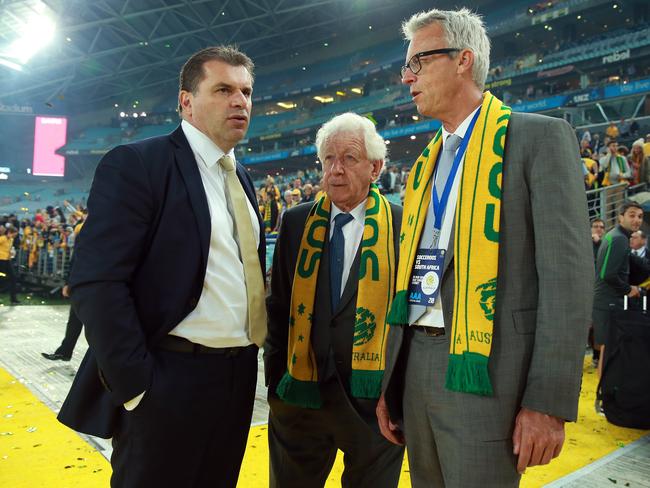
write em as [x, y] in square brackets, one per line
[65, 291]
[389, 430]
[537, 438]
[634, 292]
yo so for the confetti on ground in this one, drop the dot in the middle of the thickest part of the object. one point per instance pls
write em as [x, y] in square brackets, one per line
[36, 450]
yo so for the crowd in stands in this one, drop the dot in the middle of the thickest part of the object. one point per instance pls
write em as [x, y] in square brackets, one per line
[49, 230]
[607, 162]
[567, 49]
[618, 154]
[279, 193]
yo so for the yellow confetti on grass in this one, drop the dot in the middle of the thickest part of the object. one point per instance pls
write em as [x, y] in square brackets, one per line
[53, 455]
[35, 448]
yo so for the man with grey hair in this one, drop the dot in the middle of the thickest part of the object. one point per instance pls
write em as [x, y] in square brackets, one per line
[486, 346]
[332, 282]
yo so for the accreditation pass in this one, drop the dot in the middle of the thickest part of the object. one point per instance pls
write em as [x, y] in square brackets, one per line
[426, 277]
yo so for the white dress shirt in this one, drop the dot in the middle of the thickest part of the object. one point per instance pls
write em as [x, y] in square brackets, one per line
[433, 316]
[221, 315]
[352, 233]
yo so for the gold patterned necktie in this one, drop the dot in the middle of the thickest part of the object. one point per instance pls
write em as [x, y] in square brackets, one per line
[248, 252]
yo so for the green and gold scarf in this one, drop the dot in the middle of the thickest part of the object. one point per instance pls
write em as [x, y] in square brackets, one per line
[268, 213]
[476, 250]
[299, 385]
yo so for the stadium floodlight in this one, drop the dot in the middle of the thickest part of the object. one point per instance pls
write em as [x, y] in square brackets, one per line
[11, 64]
[36, 32]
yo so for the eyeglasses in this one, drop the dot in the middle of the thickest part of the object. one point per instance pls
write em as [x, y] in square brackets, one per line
[347, 162]
[414, 63]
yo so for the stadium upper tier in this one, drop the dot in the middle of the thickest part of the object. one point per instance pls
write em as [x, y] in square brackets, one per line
[390, 55]
[28, 198]
[606, 44]
[331, 72]
[345, 71]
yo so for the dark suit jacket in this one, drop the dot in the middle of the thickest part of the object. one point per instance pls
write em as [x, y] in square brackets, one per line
[639, 269]
[329, 330]
[139, 269]
[544, 286]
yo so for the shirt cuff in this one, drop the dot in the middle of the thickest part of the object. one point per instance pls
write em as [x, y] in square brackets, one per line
[134, 402]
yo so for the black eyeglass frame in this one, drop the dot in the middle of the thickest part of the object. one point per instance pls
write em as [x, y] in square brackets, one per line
[416, 59]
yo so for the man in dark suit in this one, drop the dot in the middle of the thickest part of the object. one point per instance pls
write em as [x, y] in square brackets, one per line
[507, 409]
[168, 281]
[639, 244]
[303, 439]
[639, 258]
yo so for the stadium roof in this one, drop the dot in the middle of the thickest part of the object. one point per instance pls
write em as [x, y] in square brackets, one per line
[108, 50]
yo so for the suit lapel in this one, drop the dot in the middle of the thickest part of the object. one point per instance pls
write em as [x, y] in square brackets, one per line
[192, 178]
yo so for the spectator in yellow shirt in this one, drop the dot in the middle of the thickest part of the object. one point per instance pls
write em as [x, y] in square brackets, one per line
[7, 237]
[612, 131]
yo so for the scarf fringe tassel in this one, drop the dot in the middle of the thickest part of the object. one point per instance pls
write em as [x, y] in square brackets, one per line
[399, 310]
[300, 393]
[468, 373]
[366, 384]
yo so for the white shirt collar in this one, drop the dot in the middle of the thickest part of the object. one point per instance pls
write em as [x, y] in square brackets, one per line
[462, 127]
[202, 146]
[358, 213]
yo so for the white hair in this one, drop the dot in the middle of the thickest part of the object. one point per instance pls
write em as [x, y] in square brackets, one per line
[462, 29]
[351, 122]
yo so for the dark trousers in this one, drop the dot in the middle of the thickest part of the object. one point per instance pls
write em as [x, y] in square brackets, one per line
[10, 279]
[72, 332]
[191, 427]
[303, 444]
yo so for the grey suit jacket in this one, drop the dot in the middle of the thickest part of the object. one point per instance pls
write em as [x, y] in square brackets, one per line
[544, 285]
[332, 332]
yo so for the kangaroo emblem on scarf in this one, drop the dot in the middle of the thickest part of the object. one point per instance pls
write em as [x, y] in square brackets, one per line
[299, 385]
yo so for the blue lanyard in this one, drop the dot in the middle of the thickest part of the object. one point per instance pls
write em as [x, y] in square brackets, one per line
[439, 206]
